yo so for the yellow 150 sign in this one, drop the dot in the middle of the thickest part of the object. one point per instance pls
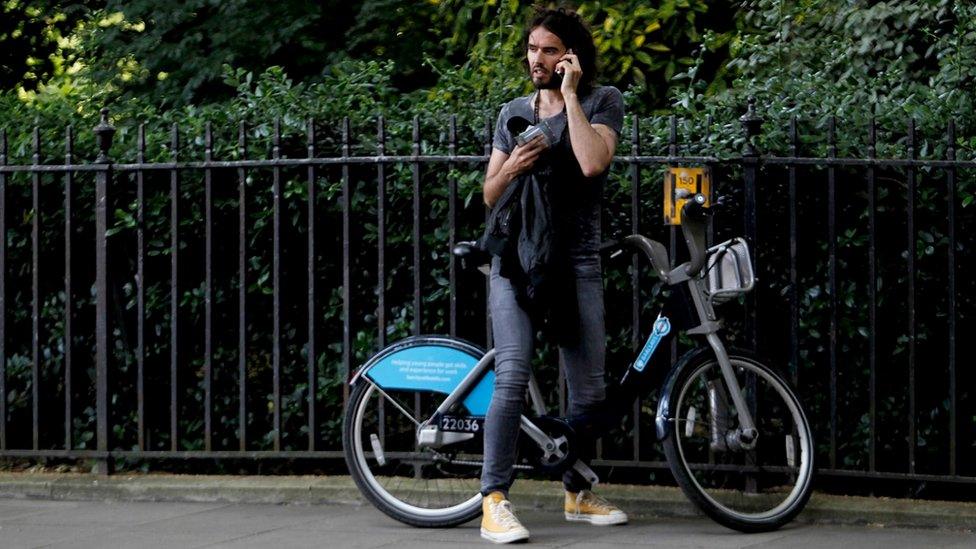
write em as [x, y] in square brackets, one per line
[680, 183]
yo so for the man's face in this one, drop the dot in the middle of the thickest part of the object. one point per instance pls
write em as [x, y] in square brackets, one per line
[543, 52]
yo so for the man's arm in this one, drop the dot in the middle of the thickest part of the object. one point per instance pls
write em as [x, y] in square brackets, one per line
[593, 144]
[503, 168]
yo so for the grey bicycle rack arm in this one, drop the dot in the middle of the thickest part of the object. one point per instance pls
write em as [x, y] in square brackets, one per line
[656, 253]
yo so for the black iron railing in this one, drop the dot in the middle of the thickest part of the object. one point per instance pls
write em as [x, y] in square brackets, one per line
[751, 174]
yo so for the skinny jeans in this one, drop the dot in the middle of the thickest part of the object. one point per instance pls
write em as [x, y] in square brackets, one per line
[582, 358]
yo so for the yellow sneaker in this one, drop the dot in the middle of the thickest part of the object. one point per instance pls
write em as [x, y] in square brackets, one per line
[589, 507]
[498, 521]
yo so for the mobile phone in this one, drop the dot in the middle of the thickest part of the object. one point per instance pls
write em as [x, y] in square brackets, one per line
[557, 75]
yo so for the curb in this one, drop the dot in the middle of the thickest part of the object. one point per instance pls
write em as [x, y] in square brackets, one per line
[644, 501]
[175, 488]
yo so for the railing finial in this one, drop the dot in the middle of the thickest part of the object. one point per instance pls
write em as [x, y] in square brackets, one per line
[104, 132]
[751, 123]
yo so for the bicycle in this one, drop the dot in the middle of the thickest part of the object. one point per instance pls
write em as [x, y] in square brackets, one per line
[734, 432]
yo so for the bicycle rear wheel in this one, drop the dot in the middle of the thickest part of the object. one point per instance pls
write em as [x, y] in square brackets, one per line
[418, 486]
[756, 488]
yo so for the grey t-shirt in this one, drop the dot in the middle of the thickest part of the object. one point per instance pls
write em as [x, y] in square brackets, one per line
[576, 199]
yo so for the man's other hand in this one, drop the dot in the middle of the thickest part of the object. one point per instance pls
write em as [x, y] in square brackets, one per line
[523, 157]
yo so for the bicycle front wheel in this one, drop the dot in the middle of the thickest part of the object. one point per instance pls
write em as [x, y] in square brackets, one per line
[420, 486]
[751, 487]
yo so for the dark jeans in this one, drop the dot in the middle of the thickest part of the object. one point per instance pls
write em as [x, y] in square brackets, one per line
[582, 358]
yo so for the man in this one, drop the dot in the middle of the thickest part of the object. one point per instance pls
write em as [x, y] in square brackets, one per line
[561, 61]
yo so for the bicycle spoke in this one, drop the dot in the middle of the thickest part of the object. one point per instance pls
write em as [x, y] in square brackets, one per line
[395, 403]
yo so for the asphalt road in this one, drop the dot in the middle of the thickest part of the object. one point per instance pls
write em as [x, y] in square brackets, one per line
[145, 525]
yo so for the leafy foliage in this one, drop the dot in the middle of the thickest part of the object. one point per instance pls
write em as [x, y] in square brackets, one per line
[647, 43]
[172, 52]
[34, 37]
[814, 60]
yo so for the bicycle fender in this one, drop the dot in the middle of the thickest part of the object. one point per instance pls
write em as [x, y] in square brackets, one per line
[430, 363]
[664, 396]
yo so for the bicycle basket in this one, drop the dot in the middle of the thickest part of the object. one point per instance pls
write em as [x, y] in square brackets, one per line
[729, 270]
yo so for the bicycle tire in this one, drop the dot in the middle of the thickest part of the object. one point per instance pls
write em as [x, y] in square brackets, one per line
[367, 472]
[747, 478]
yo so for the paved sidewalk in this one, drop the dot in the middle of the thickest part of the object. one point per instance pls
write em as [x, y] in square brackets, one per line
[649, 501]
[30, 523]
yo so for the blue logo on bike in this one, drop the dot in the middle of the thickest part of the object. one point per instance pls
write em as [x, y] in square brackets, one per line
[434, 368]
[662, 327]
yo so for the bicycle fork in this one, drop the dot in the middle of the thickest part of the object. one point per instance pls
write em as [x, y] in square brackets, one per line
[744, 437]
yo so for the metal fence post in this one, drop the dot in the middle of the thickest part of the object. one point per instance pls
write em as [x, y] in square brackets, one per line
[751, 124]
[104, 132]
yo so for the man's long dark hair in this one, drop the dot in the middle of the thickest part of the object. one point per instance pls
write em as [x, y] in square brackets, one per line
[575, 35]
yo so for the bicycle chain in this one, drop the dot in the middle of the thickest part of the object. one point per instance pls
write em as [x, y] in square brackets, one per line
[481, 464]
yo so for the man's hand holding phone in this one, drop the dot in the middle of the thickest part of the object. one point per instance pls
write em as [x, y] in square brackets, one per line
[568, 70]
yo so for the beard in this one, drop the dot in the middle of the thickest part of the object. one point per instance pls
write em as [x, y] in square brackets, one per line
[553, 82]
